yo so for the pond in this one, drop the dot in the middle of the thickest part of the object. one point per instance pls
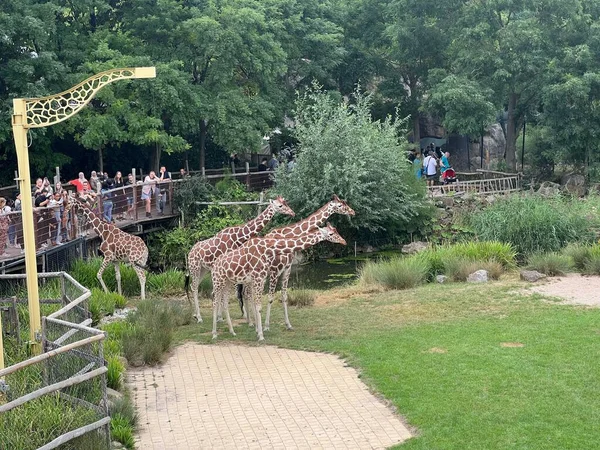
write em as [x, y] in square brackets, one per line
[331, 273]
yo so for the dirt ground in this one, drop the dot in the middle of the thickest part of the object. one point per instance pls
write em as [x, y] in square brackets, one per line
[573, 289]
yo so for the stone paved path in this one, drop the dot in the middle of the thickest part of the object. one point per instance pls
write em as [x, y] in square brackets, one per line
[227, 397]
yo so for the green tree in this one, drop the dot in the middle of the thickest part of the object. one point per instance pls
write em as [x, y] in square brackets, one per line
[343, 151]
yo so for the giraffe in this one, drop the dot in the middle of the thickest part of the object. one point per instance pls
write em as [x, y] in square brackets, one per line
[204, 253]
[116, 246]
[250, 264]
[282, 264]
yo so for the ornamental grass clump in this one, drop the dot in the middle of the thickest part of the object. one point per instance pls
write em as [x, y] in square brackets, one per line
[395, 273]
[458, 268]
[301, 297]
[551, 264]
[532, 224]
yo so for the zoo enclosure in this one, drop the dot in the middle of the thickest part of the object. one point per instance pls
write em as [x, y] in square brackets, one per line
[71, 371]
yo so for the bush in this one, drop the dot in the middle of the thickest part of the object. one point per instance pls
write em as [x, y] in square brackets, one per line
[114, 375]
[85, 273]
[188, 192]
[170, 282]
[592, 263]
[301, 297]
[458, 268]
[532, 224]
[551, 264]
[579, 254]
[344, 151]
[395, 273]
[122, 431]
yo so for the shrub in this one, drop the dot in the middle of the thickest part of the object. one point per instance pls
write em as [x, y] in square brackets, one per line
[532, 224]
[103, 304]
[500, 252]
[114, 375]
[395, 273]
[125, 409]
[122, 431]
[151, 331]
[85, 273]
[458, 268]
[551, 264]
[578, 253]
[170, 282]
[592, 263]
[301, 297]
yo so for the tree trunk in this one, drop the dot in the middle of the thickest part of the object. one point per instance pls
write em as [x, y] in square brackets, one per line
[417, 130]
[155, 158]
[203, 130]
[101, 159]
[512, 133]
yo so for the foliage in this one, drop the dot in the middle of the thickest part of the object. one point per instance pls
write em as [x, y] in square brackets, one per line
[343, 151]
[114, 376]
[151, 330]
[395, 273]
[301, 297]
[166, 283]
[458, 268]
[85, 272]
[122, 431]
[101, 304]
[551, 263]
[532, 224]
[189, 191]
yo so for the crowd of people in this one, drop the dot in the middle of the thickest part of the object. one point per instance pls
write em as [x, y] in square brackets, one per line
[427, 161]
[109, 197]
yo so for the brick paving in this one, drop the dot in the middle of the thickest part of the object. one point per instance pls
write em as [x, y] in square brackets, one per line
[230, 396]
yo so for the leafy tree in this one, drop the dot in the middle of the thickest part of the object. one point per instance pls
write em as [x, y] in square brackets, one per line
[342, 151]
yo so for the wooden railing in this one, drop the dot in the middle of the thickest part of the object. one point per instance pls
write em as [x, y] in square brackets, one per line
[502, 185]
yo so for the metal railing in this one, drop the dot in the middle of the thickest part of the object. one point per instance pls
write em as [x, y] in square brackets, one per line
[502, 185]
[71, 371]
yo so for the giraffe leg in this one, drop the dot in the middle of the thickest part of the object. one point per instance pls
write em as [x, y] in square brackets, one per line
[217, 295]
[225, 307]
[284, 284]
[247, 294]
[141, 274]
[118, 277]
[257, 286]
[196, 277]
[103, 267]
[272, 287]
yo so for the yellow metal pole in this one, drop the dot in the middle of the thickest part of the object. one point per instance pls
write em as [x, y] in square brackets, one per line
[20, 136]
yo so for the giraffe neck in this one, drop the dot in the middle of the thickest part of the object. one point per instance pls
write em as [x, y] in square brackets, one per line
[301, 242]
[98, 225]
[315, 219]
[253, 227]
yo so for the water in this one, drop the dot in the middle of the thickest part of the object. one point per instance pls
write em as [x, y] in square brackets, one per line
[330, 273]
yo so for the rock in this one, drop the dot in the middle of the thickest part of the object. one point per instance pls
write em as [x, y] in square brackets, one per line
[574, 184]
[116, 445]
[531, 275]
[369, 249]
[481, 276]
[441, 279]
[549, 189]
[113, 395]
[414, 247]
[448, 202]
[490, 199]
[119, 314]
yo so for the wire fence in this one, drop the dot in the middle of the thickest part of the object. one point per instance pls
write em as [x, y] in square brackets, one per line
[61, 392]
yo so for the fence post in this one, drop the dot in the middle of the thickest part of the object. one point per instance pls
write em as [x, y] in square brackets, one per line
[247, 175]
[171, 197]
[135, 207]
[203, 172]
[57, 176]
[17, 180]
[232, 167]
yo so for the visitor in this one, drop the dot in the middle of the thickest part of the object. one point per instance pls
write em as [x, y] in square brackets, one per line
[273, 163]
[430, 168]
[148, 190]
[262, 167]
[445, 164]
[107, 200]
[183, 173]
[48, 187]
[58, 188]
[56, 205]
[161, 201]
[78, 183]
[130, 196]
[4, 225]
[39, 185]
[118, 196]
[95, 181]
[8, 223]
[418, 165]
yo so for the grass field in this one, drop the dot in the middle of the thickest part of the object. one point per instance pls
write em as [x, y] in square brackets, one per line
[468, 366]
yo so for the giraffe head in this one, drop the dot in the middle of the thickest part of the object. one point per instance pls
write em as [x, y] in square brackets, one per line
[338, 206]
[330, 234]
[280, 206]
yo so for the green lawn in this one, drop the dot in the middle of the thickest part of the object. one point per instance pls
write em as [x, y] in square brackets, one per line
[436, 353]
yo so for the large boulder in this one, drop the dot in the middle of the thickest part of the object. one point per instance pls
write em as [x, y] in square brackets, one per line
[549, 189]
[531, 275]
[481, 276]
[574, 184]
[414, 247]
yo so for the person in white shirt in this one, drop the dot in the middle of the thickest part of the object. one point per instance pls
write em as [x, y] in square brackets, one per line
[148, 190]
[430, 165]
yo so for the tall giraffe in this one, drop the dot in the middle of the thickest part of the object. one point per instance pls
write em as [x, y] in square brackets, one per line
[117, 246]
[282, 264]
[204, 253]
[250, 264]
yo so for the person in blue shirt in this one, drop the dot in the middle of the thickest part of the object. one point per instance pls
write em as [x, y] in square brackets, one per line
[445, 163]
[418, 165]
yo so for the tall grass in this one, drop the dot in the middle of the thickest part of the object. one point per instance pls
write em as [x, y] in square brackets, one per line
[395, 273]
[86, 272]
[551, 263]
[458, 268]
[533, 224]
[170, 282]
[301, 297]
[586, 258]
